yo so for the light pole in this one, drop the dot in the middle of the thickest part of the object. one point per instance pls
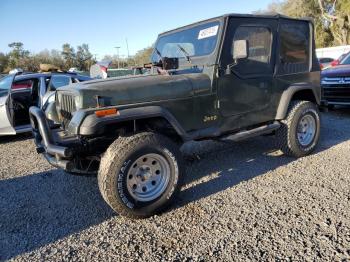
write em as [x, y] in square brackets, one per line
[117, 47]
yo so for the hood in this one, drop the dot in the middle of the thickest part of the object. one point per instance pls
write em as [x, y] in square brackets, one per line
[138, 89]
[337, 71]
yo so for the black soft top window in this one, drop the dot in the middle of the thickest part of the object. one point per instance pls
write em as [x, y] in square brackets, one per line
[259, 49]
[294, 47]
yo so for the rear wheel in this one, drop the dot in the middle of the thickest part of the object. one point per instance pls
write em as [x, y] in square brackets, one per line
[140, 175]
[300, 131]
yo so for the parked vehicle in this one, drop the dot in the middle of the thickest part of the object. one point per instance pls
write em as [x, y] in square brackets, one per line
[334, 52]
[345, 60]
[325, 62]
[228, 78]
[340, 59]
[19, 92]
[335, 83]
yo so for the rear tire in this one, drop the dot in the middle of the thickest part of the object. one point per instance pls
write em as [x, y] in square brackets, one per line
[140, 175]
[300, 131]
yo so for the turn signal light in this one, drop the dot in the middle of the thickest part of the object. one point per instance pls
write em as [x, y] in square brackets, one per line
[107, 112]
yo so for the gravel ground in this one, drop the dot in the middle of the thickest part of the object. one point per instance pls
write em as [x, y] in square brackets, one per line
[242, 201]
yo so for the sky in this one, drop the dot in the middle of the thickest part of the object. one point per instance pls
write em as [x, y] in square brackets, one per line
[103, 24]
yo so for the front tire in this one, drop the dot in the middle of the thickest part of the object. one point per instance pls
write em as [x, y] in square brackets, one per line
[300, 131]
[140, 175]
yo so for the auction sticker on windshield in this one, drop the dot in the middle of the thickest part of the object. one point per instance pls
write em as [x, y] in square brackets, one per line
[208, 32]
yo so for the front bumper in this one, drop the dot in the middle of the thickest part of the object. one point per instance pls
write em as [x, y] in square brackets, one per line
[57, 152]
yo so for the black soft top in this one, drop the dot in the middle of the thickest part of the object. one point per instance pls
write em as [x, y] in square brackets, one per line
[267, 16]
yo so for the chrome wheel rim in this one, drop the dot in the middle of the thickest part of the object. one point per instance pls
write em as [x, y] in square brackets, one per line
[148, 177]
[306, 130]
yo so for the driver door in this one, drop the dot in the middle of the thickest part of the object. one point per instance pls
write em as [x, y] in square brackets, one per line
[245, 93]
[6, 107]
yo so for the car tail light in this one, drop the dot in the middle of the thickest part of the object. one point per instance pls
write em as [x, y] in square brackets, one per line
[335, 63]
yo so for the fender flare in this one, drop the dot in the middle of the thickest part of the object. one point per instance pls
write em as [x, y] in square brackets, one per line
[288, 94]
[92, 125]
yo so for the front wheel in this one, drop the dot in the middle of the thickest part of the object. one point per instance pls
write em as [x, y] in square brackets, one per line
[140, 175]
[300, 131]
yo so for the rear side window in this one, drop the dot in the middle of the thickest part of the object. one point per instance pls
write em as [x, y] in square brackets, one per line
[22, 85]
[294, 47]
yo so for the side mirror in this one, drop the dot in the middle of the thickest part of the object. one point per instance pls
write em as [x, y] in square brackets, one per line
[240, 49]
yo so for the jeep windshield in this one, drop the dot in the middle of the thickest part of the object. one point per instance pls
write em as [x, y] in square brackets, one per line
[196, 41]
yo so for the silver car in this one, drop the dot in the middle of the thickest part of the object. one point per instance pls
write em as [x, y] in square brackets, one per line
[19, 92]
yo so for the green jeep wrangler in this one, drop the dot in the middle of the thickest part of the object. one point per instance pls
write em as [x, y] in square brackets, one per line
[231, 77]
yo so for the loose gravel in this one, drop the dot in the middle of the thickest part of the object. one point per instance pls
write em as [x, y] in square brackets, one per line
[241, 201]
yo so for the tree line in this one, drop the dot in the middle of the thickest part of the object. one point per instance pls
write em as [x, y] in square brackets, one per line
[139, 59]
[68, 57]
[331, 18]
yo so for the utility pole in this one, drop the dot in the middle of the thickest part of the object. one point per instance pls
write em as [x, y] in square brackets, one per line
[117, 47]
[127, 47]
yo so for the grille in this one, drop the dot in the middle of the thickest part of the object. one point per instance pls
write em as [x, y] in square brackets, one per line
[336, 89]
[66, 107]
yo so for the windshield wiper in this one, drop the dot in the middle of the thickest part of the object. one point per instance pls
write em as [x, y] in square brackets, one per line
[158, 53]
[187, 55]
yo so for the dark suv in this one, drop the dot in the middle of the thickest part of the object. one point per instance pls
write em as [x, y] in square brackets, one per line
[231, 77]
[335, 83]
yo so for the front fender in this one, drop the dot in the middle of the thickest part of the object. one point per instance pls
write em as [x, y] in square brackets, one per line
[93, 125]
[288, 94]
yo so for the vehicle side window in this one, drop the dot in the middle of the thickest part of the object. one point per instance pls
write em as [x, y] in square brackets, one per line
[345, 61]
[22, 85]
[58, 81]
[326, 60]
[28, 88]
[5, 85]
[294, 47]
[259, 49]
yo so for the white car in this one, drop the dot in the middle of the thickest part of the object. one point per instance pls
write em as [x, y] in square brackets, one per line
[19, 92]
